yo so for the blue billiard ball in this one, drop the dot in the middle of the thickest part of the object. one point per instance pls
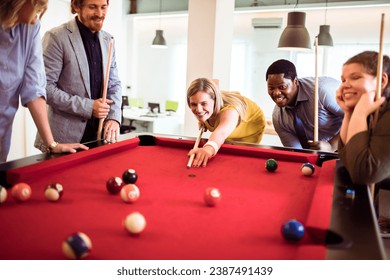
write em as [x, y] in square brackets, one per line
[77, 246]
[271, 165]
[307, 169]
[293, 230]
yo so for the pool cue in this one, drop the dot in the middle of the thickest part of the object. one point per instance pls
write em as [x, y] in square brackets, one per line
[104, 95]
[315, 138]
[378, 92]
[189, 164]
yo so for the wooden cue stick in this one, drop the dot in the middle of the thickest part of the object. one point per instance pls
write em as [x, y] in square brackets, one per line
[105, 85]
[316, 92]
[378, 92]
[189, 164]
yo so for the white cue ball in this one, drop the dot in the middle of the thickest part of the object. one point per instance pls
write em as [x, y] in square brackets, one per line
[135, 223]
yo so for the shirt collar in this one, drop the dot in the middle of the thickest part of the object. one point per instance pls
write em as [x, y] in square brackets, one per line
[85, 31]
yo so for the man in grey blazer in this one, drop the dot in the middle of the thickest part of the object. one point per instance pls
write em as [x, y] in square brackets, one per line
[75, 56]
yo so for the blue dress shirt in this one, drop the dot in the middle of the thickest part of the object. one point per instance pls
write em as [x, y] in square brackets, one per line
[22, 74]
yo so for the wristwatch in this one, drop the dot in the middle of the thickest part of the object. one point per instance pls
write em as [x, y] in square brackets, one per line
[52, 146]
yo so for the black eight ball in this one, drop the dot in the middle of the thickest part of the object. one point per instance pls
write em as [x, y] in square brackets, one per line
[130, 176]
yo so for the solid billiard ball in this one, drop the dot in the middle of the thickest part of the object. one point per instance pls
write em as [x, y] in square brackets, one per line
[54, 192]
[212, 196]
[3, 194]
[77, 246]
[114, 185]
[350, 194]
[129, 193]
[21, 191]
[271, 165]
[134, 223]
[293, 230]
[130, 176]
[307, 169]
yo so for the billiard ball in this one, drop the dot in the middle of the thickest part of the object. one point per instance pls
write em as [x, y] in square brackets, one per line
[21, 191]
[271, 165]
[130, 176]
[350, 194]
[134, 223]
[129, 193]
[54, 192]
[77, 246]
[307, 169]
[3, 194]
[293, 230]
[114, 185]
[212, 196]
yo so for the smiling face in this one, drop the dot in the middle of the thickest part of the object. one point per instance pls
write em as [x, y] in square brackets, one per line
[283, 91]
[92, 14]
[201, 105]
[355, 81]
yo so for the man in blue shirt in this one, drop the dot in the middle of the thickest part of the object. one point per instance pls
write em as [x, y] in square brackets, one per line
[293, 115]
[22, 74]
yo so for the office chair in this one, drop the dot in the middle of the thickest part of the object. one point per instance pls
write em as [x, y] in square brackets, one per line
[171, 106]
[125, 128]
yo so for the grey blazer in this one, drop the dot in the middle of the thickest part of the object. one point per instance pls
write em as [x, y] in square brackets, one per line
[68, 85]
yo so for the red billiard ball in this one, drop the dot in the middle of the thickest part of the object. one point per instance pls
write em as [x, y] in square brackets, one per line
[3, 194]
[129, 193]
[77, 246]
[114, 185]
[307, 169]
[21, 191]
[130, 176]
[54, 192]
[212, 196]
[134, 223]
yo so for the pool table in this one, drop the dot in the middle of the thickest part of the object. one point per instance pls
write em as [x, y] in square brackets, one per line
[246, 224]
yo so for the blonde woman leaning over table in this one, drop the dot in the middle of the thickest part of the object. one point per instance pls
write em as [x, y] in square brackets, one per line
[228, 115]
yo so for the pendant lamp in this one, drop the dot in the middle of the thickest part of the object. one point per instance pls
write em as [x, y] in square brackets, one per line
[295, 35]
[324, 37]
[159, 40]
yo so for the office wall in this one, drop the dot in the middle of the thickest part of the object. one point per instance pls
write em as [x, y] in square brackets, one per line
[157, 74]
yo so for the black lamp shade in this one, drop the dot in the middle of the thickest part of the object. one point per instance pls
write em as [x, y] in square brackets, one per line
[324, 37]
[295, 35]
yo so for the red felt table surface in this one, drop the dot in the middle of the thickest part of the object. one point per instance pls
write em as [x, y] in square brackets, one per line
[245, 225]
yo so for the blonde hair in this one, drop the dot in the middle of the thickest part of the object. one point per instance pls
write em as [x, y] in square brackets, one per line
[221, 98]
[10, 9]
